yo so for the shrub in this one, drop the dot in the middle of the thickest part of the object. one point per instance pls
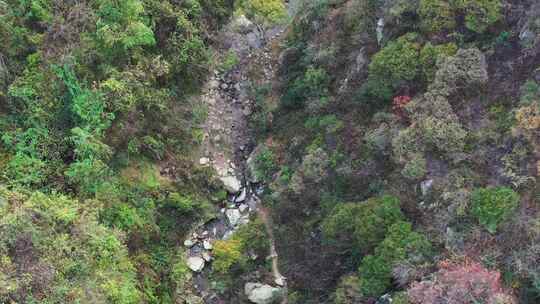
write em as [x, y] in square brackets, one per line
[400, 243]
[431, 54]
[68, 253]
[440, 15]
[437, 15]
[180, 272]
[361, 226]
[312, 172]
[394, 65]
[465, 71]
[416, 168]
[264, 11]
[399, 103]
[226, 254]
[466, 283]
[265, 164]
[120, 26]
[183, 204]
[492, 206]
[312, 87]
[480, 14]
[253, 237]
[229, 62]
[443, 135]
[348, 291]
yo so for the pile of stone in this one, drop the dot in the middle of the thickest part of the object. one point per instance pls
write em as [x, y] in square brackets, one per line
[200, 250]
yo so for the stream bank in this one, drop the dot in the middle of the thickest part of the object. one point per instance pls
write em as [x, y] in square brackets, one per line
[227, 146]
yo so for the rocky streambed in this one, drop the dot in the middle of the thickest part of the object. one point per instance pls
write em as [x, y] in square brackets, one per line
[227, 147]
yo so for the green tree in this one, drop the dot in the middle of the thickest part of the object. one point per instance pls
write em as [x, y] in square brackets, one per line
[493, 205]
[263, 11]
[437, 15]
[361, 226]
[400, 243]
[396, 64]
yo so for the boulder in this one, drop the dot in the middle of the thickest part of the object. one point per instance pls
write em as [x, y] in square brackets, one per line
[231, 183]
[243, 208]
[242, 197]
[207, 245]
[243, 25]
[204, 161]
[261, 294]
[426, 186]
[206, 256]
[189, 243]
[234, 216]
[195, 263]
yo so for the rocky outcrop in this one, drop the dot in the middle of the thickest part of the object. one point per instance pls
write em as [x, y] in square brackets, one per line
[195, 263]
[261, 293]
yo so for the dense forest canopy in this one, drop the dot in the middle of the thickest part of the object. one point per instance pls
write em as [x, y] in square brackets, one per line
[269, 151]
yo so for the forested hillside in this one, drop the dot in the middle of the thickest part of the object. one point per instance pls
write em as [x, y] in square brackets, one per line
[269, 151]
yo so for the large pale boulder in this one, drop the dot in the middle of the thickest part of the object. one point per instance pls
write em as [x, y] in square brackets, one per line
[232, 184]
[261, 293]
[233, 215]
[195, 263]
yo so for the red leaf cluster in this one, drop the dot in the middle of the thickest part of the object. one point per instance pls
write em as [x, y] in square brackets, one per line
[399, 104]
[463, 283]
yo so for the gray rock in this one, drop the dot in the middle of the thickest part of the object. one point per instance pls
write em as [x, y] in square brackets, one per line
[241, 197]
[189, 243]
[204, 161]
[206, 256]
[243, 208]
[207, 245]
[243, 25]
[234, 216]
[261, 294]
[426, 186]
[380, 30]
[254, 40]
[385, 299]
[213, 84]
[195, 263]
[228, 235]
[232, 184]
[361, 60]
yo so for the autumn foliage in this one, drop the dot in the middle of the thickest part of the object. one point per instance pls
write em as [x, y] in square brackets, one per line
[399, 103]
[467, 282]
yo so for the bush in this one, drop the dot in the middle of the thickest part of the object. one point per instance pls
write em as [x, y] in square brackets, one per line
[361, 226]
[226, 254]
[416, 168]
[120, 27]
[229, 62]
[480, 14]
[431, 54]
[440, 15]
[311, 87]
[437, 15]
[394, 65]
[348, 291]
[184, 204]
[400, 243]
[312, 172]
[264, 11]
[265, 164]
[66, 252]
[467, 283]
[492, 206]
[466, 71]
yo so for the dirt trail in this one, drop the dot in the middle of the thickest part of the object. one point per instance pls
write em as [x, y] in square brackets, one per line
[278, 277]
